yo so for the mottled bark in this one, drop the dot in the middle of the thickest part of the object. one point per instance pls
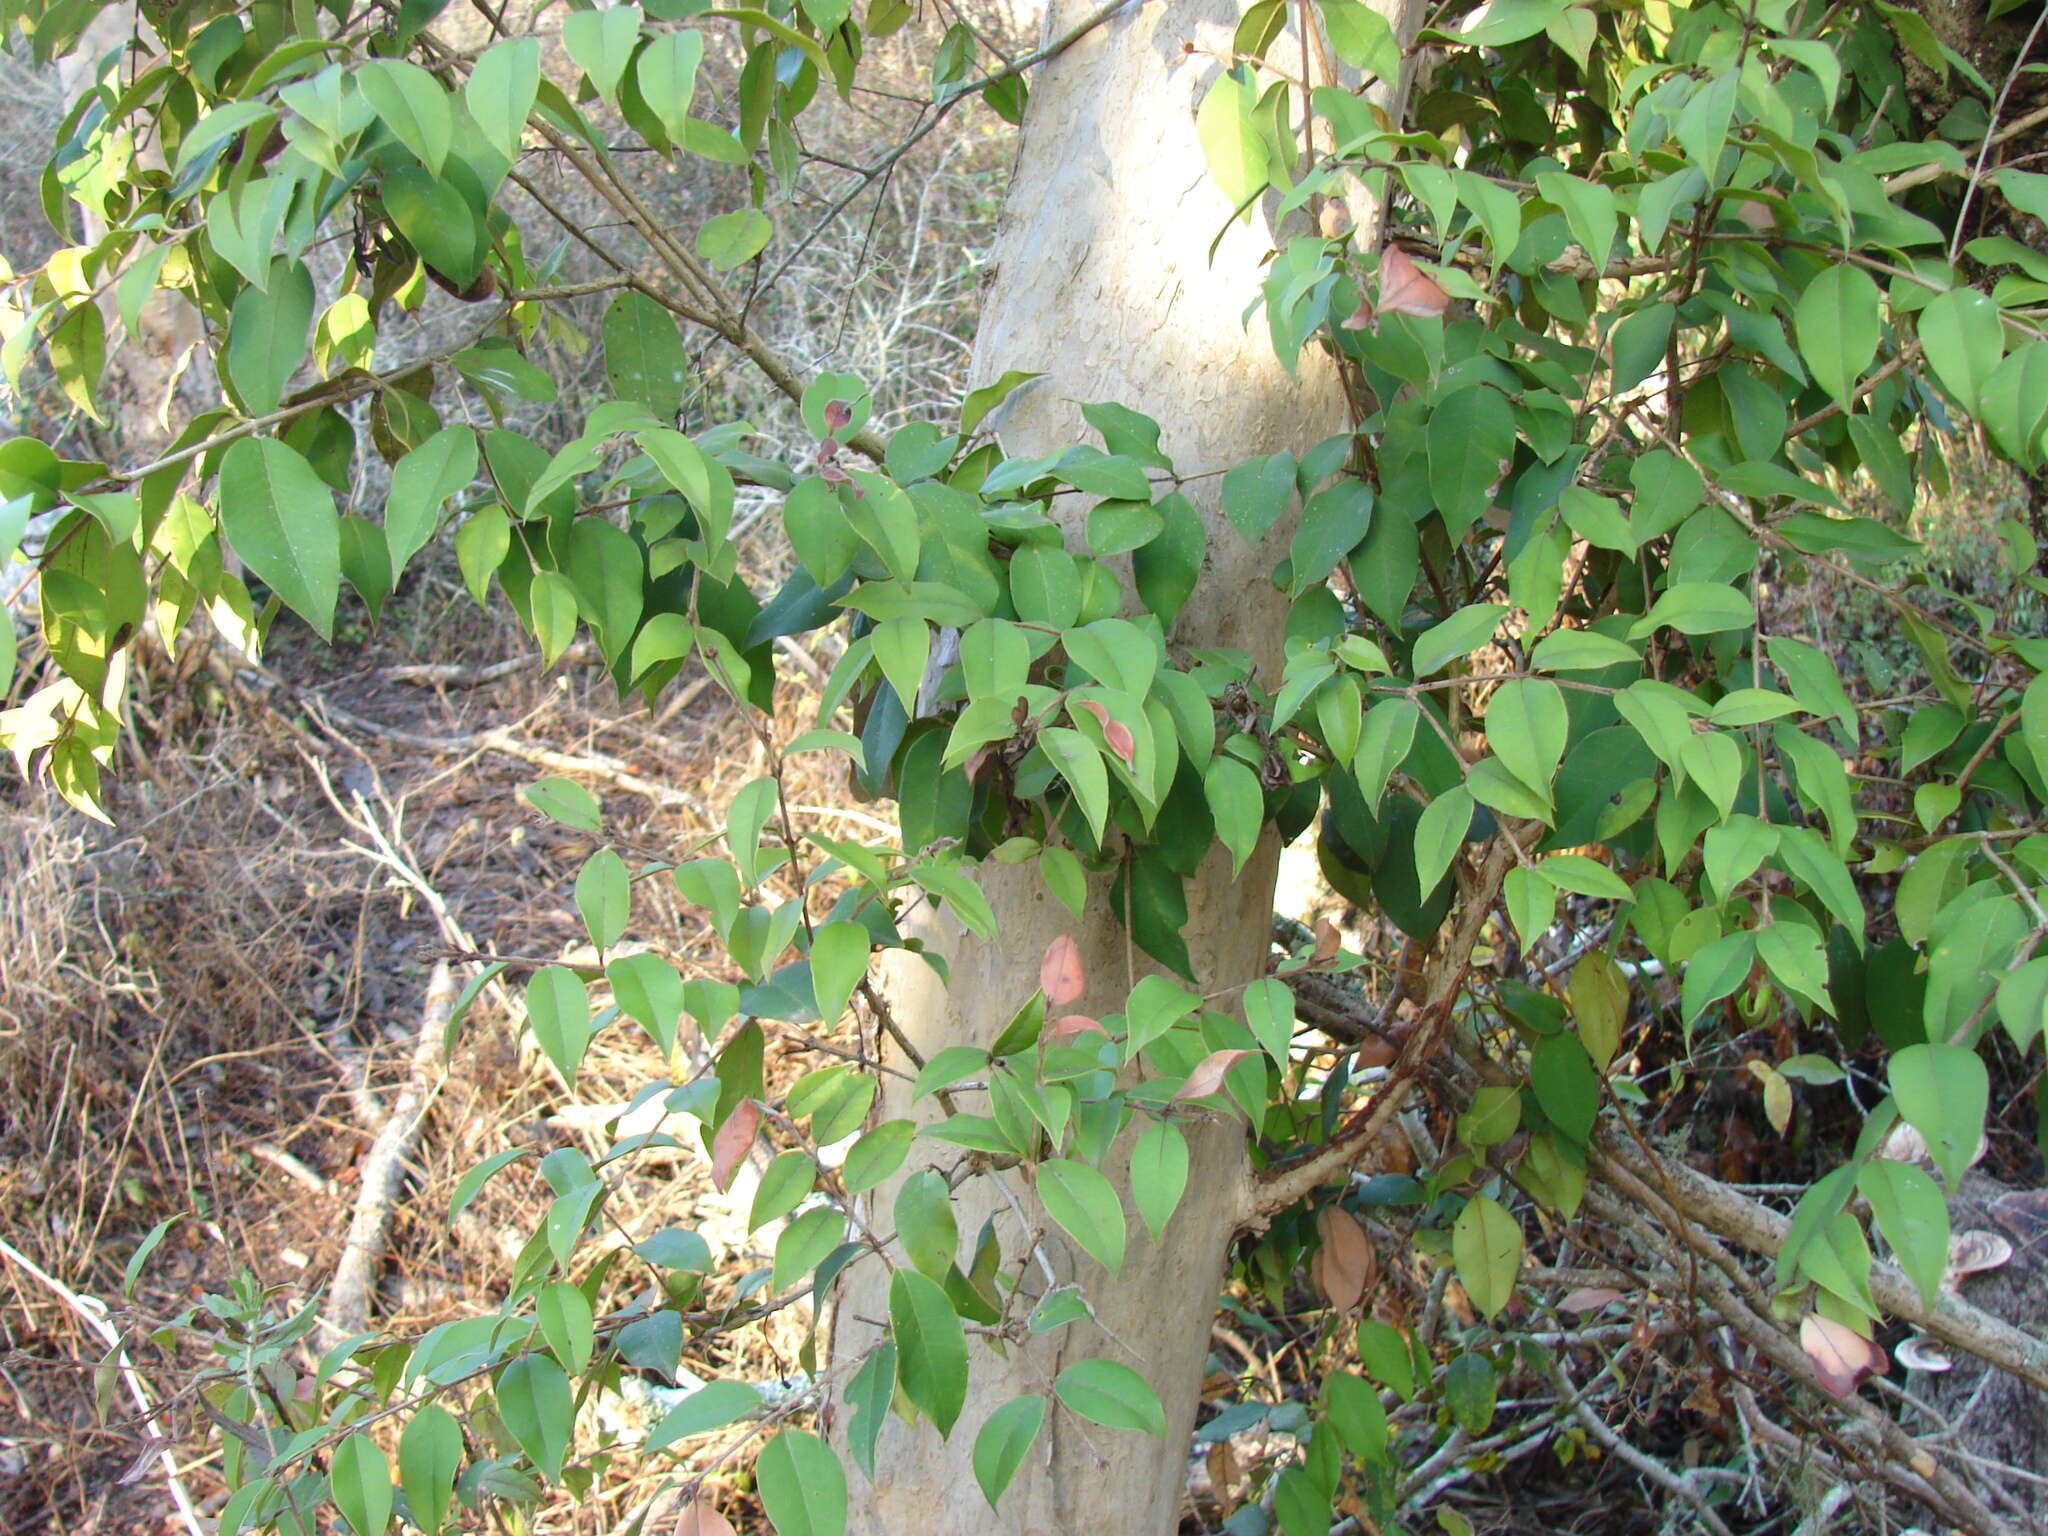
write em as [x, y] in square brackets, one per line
[1104, 282]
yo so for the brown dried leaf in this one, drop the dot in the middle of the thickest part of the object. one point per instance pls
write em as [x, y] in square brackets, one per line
[732, 1141]
[1059, 973]
[1842, 1358]
[1589, 1298]
[1328, 942]
[1345, 1266]
[1405, 289]
[1207, 1078]
[700, 1519]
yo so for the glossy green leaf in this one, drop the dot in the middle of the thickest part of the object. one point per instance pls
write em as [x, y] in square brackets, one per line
[1086, 1206]
[931, 1347]
[803, 1486]
[1110, 1393]
[279, 516]
[1003, 1441]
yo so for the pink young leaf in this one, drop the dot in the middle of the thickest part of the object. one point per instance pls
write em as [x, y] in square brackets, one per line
[1115, 735]
[1207, 1078]
[1073, 1024]
[732, 1141]
[1842, 1358]
[1405, 289]
[1361, 318]
[1059, 973]
[837, 414]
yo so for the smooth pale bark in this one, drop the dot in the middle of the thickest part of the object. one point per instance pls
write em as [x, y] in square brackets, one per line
[1104, 283]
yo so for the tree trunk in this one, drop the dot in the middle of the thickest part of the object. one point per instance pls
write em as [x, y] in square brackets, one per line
[1104, 283]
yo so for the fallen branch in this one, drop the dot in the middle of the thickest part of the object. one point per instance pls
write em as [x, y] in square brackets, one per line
[1748, 1225]
[348, 1298]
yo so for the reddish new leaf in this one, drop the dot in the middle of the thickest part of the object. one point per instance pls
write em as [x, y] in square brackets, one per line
[837, 414]
[1345, 1265]
[1073, 1024]
[1405, 289]
[732, 1141]
[1361, 318]
[1059, 973]
[1842, 1358]
[1115, 735]
[1207, 1078]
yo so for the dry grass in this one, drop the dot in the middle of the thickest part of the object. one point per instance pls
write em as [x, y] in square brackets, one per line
[192, 1007]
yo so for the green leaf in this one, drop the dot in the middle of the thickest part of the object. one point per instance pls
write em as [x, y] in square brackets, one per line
[667, 73]
[413, 106]
[802, 1485]
[1439, 834]
[1110, 1393]
[730, 239]
[931, 1347]
[500, 91]
[267, 335]
[421, 484]
[437, 221]
[601, 43]
[558, 1012]
[925, 1225]
[1080, 764]
[643, 353]
[604, 897]
[1697, 608]
[361, 1482]
[1486, 1245]
[980, 402]
[2023, 1001]
[1459, 635]
[1237, 806]
[1269, 1010]
[876, 1155]
[1256, 493]
[1227, 127]
[566, 1323]
[429, 1456]
[1085, 1204]
[1637, 345]
[1566, 1084]
[537, 1406]
[1839, 326]
[1159, 1174]
[712, 1406]
[566, 801]
[279, 516]
[1004, 1440]
[1913, 1217]
[1526, 727]
[1471, 436]
[1963, 340]
[784, 1183]
[839, 959]
[1944, 1092]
